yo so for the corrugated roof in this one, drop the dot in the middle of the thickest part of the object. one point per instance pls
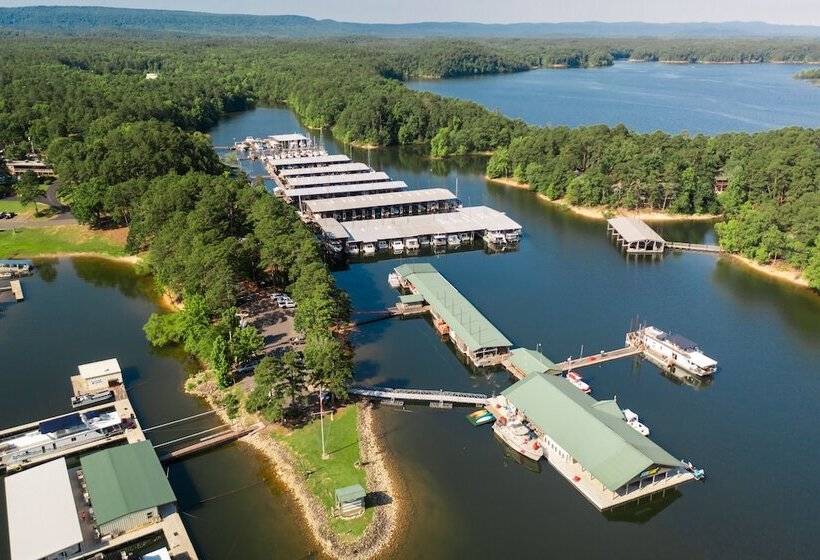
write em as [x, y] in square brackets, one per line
[344, 190]
[350, 178]
[287, 162]
[463, 318]
[378, 200]
[331, 228]
[411, 298]
[594, 433]
[354, 167]
[633, 229]
[473, 218]
[98, 369]
[125, 479]
[529, 361]
[42, 516]
[295, 137]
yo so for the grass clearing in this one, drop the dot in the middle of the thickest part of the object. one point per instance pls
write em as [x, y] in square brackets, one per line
[324, 476]
[13, 205]
[58, 239]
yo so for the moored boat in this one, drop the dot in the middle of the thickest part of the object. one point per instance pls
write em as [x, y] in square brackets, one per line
[453, 240]
[91, 398]
[393, 280]
[439, 240]
[635, 423]
[369, 249]
[480, 417]
[576, 379]
[411, 244]
[398, 246]
[383, 245]
[673, 350]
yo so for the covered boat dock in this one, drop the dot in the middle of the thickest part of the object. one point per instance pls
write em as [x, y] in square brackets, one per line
[331, 180]
[590, 443]
[382, 205]
[634, 236]
[299, 196]
[279, 164]
[316, 171]
[454, 316]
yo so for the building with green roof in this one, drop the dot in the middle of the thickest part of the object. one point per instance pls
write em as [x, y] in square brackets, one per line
[469, 330]
[524, 362]
[591, 444]
[126, 486]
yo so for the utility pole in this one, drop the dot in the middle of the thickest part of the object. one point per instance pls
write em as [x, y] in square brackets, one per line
[322, 423]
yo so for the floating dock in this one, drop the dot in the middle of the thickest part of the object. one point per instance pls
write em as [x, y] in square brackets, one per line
[336, 179]
[276, 165]
[382, 205]
[17, 290]
[319, 170]
[298, 196]
[635, 237]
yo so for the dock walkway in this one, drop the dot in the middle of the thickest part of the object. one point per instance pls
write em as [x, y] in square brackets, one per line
[601, 358]
[209, 442]
[701, 247]
[424, 395]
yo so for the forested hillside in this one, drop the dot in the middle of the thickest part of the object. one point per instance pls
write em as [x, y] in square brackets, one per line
[83, 20]
[102, 124]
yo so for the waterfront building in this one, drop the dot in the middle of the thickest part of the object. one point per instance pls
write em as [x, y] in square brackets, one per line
[42, 516]
[101, 375]
[350, 500]
[591, 444]
[382, 205]
[454, 316]
[126, 487]
[523, 362]
[634, 236]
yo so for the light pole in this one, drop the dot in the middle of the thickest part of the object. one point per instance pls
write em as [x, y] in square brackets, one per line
[322, 423]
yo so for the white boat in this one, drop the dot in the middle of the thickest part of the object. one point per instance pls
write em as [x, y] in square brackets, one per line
[466, 237]
[424, 240]
[519, 438]
[575, 378]
[393, 280]
[397, 245]
[369, 249]
[495, 237]
[634, 422]
[411, 243]
[439, 240]
[512, 236]
[353, 247]
[91, 398]
[453, 240]
[383, 245]
[334, 246]
[674, 350]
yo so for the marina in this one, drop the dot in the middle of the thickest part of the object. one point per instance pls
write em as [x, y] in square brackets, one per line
[378, 206]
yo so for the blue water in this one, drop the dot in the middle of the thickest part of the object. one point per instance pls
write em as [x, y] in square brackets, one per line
[698, 98]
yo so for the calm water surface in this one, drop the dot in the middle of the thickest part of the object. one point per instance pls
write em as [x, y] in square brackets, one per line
[708, 98]
[754, 429]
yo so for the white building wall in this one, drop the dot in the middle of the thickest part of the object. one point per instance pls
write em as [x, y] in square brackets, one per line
[130, 522]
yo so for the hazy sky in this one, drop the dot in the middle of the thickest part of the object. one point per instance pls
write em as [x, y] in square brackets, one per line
[805, 12]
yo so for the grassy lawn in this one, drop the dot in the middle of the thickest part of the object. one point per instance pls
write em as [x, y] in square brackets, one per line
[11, 205]
[324, 476]
[59, 239]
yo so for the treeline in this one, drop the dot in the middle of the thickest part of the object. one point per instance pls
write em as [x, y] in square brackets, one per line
[810, 74]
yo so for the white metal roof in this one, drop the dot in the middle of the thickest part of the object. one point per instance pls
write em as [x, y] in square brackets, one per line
[343, 190]
[633, 229]
[352, 167]
[286, 162]
[374, 177]
[475, 218]
[288, 137]
[98, 369]
[159, 554]
[380, 199]
[42, 515]
[331, 228]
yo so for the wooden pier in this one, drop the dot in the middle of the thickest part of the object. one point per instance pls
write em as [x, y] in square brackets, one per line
[635, 237]
[700, 247]
[17, 290]
[209, 442]
[600, 358]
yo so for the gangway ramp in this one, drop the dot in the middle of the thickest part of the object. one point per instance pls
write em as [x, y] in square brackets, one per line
[434, 397]
[601, 358]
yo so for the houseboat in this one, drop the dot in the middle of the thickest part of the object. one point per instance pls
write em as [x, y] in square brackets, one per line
[512, 430]
[90, 398]
[65, 432]
[672, 350]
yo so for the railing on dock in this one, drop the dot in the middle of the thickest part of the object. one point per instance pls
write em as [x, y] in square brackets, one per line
[424, 395]
[704, 248]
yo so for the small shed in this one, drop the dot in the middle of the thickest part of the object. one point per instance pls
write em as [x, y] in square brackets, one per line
[350, 500]
[411, 303]
[101, 375]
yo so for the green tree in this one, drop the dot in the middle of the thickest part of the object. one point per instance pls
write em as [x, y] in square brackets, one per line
[330, 362]
[28, 190]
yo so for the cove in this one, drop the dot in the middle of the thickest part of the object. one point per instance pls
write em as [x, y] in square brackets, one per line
[698, 98]
[567, 286]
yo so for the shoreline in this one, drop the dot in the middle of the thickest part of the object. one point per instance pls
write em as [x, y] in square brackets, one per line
[788, 275]
[602, 213]
[381, 475]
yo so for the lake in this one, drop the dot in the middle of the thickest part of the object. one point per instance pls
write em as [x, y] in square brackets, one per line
[753, 428]
[707, 98]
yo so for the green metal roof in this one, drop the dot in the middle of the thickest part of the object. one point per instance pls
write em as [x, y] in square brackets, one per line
[461, 315]
[412, 298]
[125, 479]
[593, 432]
[530, 361]
[350, 493]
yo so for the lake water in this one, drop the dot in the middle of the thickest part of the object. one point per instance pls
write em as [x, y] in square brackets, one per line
[754, 429]
[708, 98]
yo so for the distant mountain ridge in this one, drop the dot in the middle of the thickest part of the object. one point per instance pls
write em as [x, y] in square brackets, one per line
[84, 20]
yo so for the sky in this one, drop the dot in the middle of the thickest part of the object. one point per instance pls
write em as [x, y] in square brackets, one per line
[800, 12]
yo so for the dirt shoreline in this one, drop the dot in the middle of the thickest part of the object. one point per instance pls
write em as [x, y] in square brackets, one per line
[784, 274]
[381, 477]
